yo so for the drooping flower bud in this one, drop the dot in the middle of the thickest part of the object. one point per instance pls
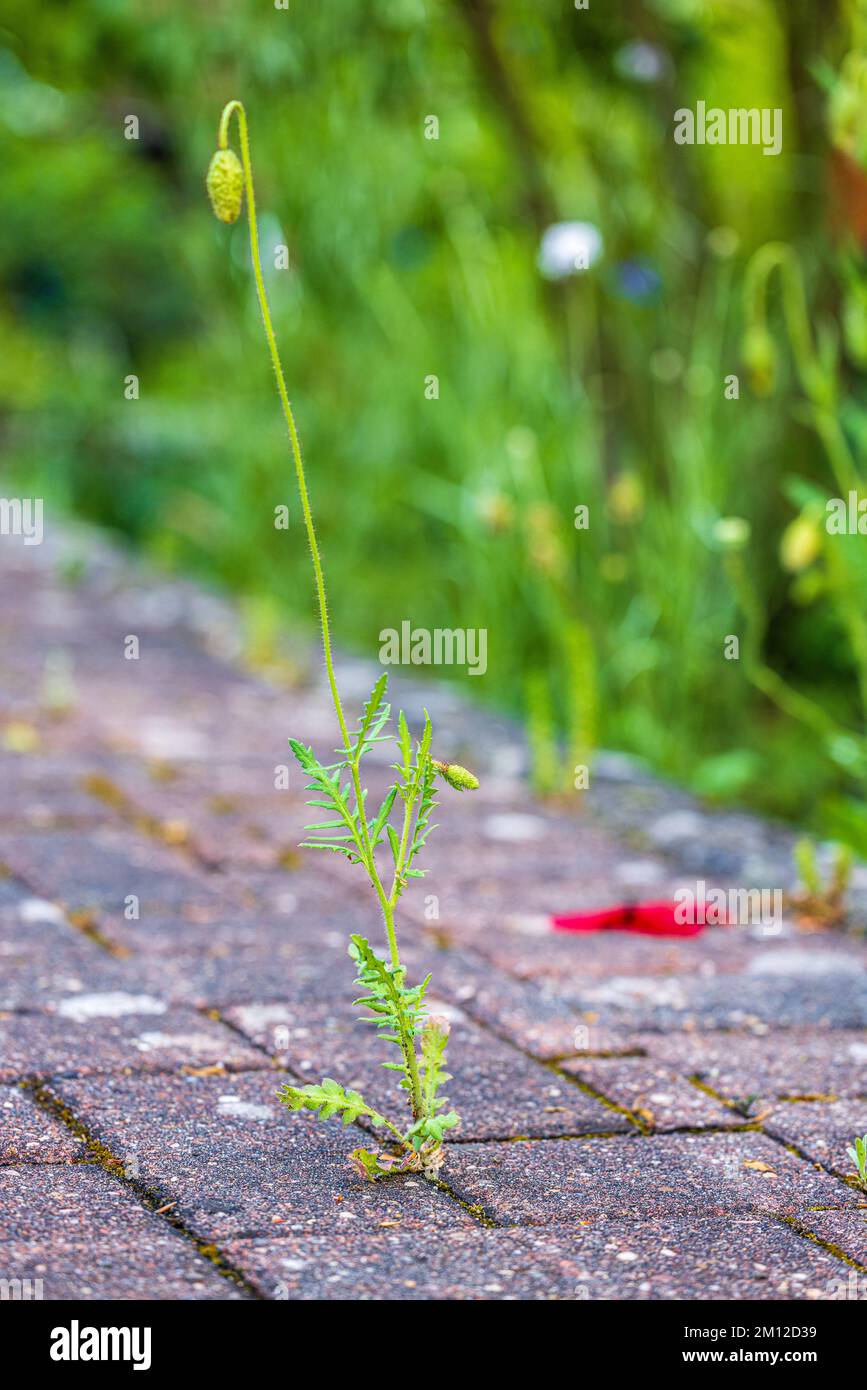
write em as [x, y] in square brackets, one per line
[801, 543]
[225, 185]
[457, 776]
[760, 356]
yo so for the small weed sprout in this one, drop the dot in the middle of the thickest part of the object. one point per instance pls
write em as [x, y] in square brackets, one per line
[818, 903]
[348, 827]
[858, 1154]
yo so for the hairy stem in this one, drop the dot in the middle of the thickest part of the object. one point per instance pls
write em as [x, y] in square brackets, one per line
[236, 108]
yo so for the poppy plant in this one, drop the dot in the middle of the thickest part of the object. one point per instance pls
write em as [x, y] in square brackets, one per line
[399, 827]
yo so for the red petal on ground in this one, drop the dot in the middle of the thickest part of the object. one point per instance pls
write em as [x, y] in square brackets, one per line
[649, 919]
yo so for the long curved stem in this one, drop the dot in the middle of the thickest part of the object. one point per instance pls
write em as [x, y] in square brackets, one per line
[386, 901]
[237, 108]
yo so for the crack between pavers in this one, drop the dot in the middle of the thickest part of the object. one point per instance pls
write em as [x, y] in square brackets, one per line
[632, 1136]
[82, 922]
[635, 1052]
[793, 1148]
[154, 1201]
[127, 810]
[551, 1064]
[789, 1145]
[124, 1069]
[797, 1226]
[369, 1131]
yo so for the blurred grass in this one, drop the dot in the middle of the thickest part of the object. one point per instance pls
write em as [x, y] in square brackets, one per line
[411, 258]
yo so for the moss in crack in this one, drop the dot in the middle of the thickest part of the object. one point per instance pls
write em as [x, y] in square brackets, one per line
[85, 922]
[806, 1234]
[168, 832]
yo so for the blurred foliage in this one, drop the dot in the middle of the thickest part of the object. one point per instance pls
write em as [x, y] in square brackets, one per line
[411, 257]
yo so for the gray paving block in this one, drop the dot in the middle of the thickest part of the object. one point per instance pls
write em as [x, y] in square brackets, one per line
[84, 1236]
[739, 1258]
[665, 1175]
[236, 1162]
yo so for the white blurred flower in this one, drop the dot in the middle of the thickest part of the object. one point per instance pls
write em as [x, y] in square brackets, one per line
[642, 62]
[568, 248]
[731, 532]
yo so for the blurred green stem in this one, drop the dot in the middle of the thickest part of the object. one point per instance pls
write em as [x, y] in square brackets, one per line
[817, 380]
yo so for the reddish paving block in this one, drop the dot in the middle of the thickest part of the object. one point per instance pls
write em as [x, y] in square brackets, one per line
[527, 1014]
[99, 870]
[237, 1162]
[703, 1258]
[495, 1089]
[306, 908]
[290, 965]
[846, 1231]
[822, 1132]
[739, 1001]
[86, 1236]
[774, 1065]
[42, 962]
[663, 1175]
[566, 961]
[38, 791]
[29, 1135]
[660, 1097]
[230, 816]
[89, 1034]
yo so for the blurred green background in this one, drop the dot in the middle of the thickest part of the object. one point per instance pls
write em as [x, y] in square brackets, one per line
[412, 257]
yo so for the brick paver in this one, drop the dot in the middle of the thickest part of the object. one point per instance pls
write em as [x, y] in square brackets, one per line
[704, 1258]
[641, 1118]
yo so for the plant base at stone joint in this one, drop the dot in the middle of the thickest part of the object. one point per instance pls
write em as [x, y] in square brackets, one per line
[858, 1154]
[398, 828]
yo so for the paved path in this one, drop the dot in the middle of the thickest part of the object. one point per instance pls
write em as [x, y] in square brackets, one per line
[641, 1119]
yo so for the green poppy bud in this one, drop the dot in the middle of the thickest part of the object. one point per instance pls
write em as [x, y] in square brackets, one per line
[760, 356]
[457, 776]
[225, 185]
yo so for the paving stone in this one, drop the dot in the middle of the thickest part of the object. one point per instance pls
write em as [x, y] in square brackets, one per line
[847, 1231]
[570, 959]
[41, 791]
[822, 1132]
[472, 870]
[529, 1014]
[305, 908]
[42, 962]
[658, 1095]
[495, 1089]
[99, 869]
[29, 1135]
[527, 948]
[92, 1033]
[662, 1175]
[293, 966]
[774, 1065]
[158, 774]
[237, 1162]
[229, 814]
[85, 1236]
[734, 1258]
[727, 1001]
